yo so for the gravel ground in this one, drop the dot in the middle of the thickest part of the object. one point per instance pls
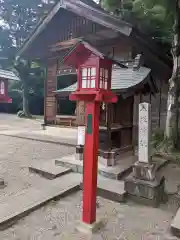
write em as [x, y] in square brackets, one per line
[57, 221]
[17, 154]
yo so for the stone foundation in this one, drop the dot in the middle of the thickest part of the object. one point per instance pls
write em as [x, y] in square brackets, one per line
[90, 228]
[146, 192]
[144, 184]
[106, 158]
[144, 171]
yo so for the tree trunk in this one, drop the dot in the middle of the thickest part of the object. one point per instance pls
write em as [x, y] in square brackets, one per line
[172, 119]
[171, 103]
[25, 100]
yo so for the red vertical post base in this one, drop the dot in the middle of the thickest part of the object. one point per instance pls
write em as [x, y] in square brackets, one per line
[91, 162]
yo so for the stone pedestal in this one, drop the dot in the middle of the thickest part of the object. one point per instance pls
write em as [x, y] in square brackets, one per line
[144, 171]
[90, 228]
[79, 152]
[108, 159]
[145, 185]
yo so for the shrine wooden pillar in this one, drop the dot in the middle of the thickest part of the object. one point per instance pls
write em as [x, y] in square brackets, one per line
[50, 87]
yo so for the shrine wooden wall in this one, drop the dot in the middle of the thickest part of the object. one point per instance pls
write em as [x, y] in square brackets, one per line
[68, 26]
[50, 86]
[121, 50]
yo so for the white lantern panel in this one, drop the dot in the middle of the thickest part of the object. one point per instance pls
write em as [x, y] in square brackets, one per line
[105, 84]
[84, 72]
[84, 81]
[89, 72]
[93, 83]
[93, 72]
[101, 84]
[89, 84]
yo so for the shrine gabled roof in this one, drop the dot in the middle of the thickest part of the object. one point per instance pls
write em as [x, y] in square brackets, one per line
[8, 75]
[80, 7]
[91, 11]
[122, 79]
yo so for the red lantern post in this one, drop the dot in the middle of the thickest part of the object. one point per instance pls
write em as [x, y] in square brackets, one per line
[94, 87]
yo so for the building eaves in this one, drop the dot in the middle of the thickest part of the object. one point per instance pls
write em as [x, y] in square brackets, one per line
[83, 9]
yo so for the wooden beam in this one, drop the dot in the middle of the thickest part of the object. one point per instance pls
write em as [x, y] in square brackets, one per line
[63, 45]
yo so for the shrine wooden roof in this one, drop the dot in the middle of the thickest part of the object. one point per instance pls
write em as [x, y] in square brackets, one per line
[85, 8]
[8, 75]
[50, 28]
[123, 79]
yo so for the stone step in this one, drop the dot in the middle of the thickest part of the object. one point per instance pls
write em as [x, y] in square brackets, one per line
[116, 172]
[48, 169]
[24, 202]
[175, 225]
[110, 189]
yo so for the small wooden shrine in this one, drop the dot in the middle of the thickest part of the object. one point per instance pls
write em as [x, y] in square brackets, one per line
[133, 79]
[116, 120]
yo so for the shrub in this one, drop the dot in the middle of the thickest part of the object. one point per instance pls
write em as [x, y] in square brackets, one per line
[157, 138]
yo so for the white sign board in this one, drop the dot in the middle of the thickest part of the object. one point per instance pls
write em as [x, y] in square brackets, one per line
[81, 135]
[144, 132]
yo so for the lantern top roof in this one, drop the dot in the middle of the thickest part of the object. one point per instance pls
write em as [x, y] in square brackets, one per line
[84, 48]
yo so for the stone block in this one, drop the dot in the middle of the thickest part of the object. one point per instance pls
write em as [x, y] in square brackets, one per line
[115, 172]
[90, 228]
[79, 156]
[108, 159]
[48, 169]
[151, 192]
[144, 171]
[110, 189]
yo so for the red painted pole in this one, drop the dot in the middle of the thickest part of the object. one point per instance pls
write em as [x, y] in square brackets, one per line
[91, 162]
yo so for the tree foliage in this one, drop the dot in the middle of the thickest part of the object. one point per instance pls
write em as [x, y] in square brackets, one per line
[155, 17]
[20, 17]
[161, 20]
[17, 20]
